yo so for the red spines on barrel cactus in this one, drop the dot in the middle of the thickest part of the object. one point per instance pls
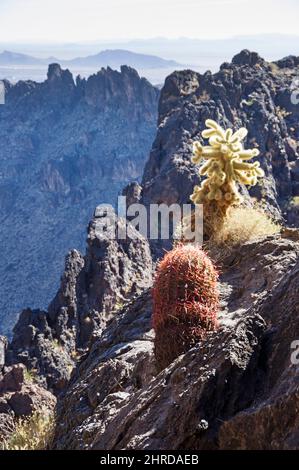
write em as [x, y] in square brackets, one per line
[185, 301]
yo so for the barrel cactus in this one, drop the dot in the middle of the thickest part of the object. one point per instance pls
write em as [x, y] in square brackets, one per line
[185, 301]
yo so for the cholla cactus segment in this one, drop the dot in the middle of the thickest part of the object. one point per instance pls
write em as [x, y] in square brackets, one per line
[225, 163]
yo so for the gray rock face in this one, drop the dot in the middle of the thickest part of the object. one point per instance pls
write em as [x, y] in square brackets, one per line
[93, 288]
[65, 147]
[236, 389]
[120, 362]
[247, 92]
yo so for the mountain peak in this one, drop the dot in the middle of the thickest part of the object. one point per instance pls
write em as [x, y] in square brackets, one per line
[127, 70]
[56, 73]
[247, 57]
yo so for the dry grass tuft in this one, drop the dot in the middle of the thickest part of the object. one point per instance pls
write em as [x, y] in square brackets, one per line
[33, 433]
[241, 225]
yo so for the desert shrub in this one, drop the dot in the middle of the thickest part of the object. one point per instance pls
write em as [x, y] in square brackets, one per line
[274, 68]
[185, 301]
[244, 224]
[33, 433]
[241, 225]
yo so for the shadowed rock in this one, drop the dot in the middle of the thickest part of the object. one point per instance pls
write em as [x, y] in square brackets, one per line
[93, 288]
[249, 92]
[65, 146]
[204, 399]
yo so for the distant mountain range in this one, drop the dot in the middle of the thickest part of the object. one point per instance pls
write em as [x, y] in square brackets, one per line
[111, 58]
[203, 53]
[198, 51]
[14, 58]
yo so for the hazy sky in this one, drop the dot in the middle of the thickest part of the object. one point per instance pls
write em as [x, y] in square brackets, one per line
[86, 20]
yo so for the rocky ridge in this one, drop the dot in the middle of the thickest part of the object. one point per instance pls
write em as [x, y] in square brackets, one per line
[237, 389]
[66, 145]
[247, 92]
[93, 288]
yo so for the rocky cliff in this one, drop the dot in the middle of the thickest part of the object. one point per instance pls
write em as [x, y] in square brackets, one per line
[247, 92]
[235, 390]
[93, 347]
[238, 389]
[93, 288]
[65, 146]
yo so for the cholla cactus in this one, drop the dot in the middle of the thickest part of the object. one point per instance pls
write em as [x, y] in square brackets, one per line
[226, 164]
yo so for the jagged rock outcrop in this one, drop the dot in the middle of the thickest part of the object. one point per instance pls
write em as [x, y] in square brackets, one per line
[248, 92]
[66, 145]
[20, 397]
[132, 193]
[243, 372]
[93, 288]
[288, 62]
[236, 389]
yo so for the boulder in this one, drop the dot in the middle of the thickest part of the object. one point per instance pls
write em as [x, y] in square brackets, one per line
[29, 399]
[20, 397]
[13, 379]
